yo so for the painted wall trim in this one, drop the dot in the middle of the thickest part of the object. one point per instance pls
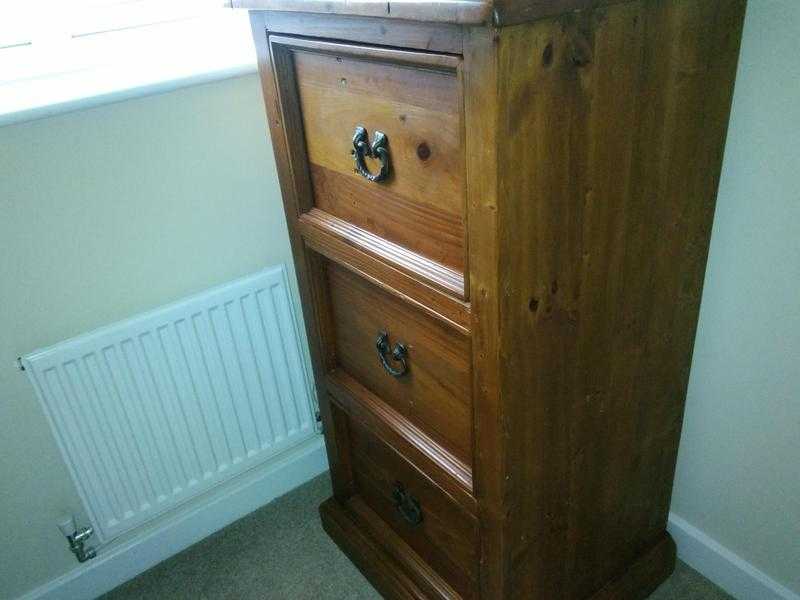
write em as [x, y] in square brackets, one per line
[115, 565]
[93, 99]
[728, 570]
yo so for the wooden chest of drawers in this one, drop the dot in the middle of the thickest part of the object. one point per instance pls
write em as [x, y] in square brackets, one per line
[500, 216]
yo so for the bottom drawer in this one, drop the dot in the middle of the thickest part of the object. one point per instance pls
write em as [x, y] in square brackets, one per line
[438, 529]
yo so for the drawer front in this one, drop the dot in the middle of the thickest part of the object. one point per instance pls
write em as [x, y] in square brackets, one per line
[430, 384]
[431, 523]
[420, 205]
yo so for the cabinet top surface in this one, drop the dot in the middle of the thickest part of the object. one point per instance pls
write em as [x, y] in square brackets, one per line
[461, 12]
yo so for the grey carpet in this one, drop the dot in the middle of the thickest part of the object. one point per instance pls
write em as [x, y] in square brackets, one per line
[280, 551]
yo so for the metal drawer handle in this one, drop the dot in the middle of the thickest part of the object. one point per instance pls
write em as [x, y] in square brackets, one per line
[399, 354]
[379, 149]
[406, 505]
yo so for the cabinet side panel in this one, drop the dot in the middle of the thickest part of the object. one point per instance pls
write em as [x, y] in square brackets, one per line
[614, 121]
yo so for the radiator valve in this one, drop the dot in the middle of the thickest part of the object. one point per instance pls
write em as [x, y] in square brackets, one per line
[77, 538]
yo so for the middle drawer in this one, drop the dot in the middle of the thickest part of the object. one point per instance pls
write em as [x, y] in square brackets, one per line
[414, 362]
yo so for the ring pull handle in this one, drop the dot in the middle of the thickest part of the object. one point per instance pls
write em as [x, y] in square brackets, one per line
[406, 505]
[379, 149]
[399, 354]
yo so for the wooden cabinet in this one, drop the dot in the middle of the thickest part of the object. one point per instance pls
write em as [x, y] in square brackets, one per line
[500, 216]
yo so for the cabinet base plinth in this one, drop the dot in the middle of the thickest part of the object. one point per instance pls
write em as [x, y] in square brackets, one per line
[644, 575]
[414, 579]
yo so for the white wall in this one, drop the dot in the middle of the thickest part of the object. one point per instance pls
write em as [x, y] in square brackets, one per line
[738, 477]
[105, 213]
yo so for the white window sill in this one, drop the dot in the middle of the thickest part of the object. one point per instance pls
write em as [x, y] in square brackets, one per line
[137, 63]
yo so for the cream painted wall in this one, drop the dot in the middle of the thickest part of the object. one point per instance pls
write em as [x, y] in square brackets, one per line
[105, 213]
[738, 477]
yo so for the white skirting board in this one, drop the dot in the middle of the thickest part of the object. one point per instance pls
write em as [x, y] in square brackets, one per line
[728, 570]
[117, 564]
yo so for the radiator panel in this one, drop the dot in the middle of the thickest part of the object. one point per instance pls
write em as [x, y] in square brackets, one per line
[154, 410]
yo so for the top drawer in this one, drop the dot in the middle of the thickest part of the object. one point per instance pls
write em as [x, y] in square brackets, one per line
[414, 100]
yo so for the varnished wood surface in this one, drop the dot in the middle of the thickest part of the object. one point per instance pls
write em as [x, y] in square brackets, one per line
[602, 252]
[498, 13]
[446, 536]
[435, 393]
[421, 205]
[410, 284]
[513, 12]
[591, 145]
[644, 574]
[426, 230]
[385, 559]
[399, 56]
[483, 139]
[450, 474]
[412, 263]
[461, 12]
[285, 130]
[398, 574]
[436, 37]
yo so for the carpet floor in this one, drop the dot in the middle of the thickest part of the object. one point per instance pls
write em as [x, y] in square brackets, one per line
[243, 562]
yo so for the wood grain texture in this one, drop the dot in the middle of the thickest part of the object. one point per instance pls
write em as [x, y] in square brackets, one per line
[416, 265]
[388, 562]
[483, 139]
[513, 12]
[276, 78]
[421, 205]
[497, 13]
[383, 32]
[425, 284]
[426, 230]
[450, 474]
[446, 537]
[381, 562]
[441, 11]
[399, 56]
[590, 148]
[644, 575]
[435, 393]
[603, 248]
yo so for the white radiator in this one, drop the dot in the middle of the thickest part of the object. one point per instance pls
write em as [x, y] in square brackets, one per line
[155, 410]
